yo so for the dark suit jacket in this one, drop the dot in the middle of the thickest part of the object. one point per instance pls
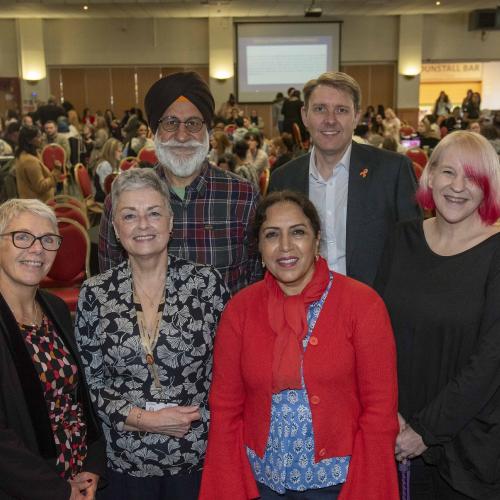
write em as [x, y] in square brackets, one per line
[27, 449]
[381, 192]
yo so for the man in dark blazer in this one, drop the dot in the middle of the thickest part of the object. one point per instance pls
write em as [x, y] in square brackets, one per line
[360, 191]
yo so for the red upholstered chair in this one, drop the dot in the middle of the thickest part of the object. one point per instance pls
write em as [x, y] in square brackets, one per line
[418, 155]
[418, 170]
[128, 162]
[52, 153]
[71, 265]
[84, 182]
[229, 129]
[148, 155]
[108, 181]
[406, 131]
[70, 211]
[264, 181]
[297, 136]
[66, 198]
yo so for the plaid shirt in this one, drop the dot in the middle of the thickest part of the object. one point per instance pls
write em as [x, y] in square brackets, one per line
[212, 225]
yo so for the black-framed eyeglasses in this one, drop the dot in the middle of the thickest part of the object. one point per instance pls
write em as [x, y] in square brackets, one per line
[23, 239]
[172, 124]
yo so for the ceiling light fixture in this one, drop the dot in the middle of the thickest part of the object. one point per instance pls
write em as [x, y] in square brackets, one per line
[85, 7]
[438, 3]
[313, 11]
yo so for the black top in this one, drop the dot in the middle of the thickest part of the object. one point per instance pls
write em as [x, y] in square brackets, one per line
[445, 312]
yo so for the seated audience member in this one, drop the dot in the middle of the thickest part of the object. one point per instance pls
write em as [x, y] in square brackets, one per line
[227, 162]
[51, 445]
[106, 164]
[136, 136]
[27, 121]
[240, 131]
[220, 145]
[148, 358]
[378, 125]
[243, 167]
[474, 126]
[282, 149]
[229, 108]
[11, 134]
[361, 134]
[256, 156]
[490, 132]
[286, 422]
[256, 121]
[34, 179]
[428, 135]
[291, 112]
[440, 280]
[454, 121]
[100, 135]
[390, 144]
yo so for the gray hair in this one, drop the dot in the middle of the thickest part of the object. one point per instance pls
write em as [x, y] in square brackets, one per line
[337, 80]
[138, 178]
[16, 206]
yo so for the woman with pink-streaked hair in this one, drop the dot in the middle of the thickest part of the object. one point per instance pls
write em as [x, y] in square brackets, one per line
[440, 279]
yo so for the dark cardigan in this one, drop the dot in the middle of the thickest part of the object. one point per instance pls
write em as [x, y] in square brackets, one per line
[27, 449]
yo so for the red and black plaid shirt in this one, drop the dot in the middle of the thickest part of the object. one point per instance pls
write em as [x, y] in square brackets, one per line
[212, 225]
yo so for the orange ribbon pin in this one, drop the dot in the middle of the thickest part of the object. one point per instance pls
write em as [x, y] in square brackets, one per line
[364, 173]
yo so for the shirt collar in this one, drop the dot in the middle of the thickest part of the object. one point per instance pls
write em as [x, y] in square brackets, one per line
[343, 163]
[199, 183]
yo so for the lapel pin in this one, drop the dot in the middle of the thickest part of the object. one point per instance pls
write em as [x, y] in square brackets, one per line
[364, 173]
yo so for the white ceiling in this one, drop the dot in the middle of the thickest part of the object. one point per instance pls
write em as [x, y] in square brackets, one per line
[229, 8]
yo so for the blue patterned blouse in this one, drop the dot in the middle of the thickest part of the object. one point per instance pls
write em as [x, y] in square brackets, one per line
[288, 462]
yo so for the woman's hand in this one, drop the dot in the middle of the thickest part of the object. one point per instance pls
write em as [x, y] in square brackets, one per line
[409, 444]
[87, 482]
[174, 421]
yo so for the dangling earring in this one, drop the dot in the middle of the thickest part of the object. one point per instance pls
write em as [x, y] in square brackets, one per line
[316, 258]
[263, 265]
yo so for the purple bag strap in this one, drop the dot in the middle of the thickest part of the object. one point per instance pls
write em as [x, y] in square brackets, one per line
[404, 471]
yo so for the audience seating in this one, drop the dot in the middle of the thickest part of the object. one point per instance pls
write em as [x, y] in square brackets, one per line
[418, 155]
[52, 153]
[108, 181]
[148, 155]
[70, 211]
[128, 162]
[71, 265]
[66, 198]
[264, 181]
[84, 182]
[406, 131]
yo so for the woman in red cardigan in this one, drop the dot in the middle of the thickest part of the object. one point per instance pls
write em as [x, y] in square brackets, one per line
[304, 395]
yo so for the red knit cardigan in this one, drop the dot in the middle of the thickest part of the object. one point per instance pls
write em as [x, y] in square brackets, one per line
[350, 375]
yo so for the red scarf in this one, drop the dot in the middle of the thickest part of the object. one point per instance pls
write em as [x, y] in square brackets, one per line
[287, 318]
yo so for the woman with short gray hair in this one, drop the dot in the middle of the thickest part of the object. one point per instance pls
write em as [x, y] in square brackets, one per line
[51, 445]
[145, 330]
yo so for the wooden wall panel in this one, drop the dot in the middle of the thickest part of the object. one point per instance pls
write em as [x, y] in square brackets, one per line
[123, 88]
[74, 89]
[54, 75]
[145, 78]
[98, 87]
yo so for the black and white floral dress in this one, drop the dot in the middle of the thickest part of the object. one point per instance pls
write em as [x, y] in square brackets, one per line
[108, 337]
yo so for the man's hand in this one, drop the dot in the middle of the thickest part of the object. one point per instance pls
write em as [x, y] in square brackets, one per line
[409, 444]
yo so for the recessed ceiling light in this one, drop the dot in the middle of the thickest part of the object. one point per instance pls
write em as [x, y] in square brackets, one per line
[85, 7]
[438, 3]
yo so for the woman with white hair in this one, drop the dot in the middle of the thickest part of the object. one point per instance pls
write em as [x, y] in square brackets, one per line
[145, 329]
[440, 279]
[51, 446]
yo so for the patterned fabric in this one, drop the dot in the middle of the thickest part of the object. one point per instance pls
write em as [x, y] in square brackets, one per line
[211, 226]
[288, 462]
[59, 378]
[115, 364]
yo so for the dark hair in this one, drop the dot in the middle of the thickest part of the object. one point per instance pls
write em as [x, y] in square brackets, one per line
[239, 121]
[26, 136]
[287, 141]
[255, 136]
[229, 159]
[240, 149]
[390, 144]
[299, 199]
[12, 127]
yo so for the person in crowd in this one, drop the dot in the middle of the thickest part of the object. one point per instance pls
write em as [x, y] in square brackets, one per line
[87, 143]
[491, 133]
[392, 124]
[88, 117]
[243, 167]
[442, 106]
[229, 108]
[100, 136]
[227, 162]
[256, 121]
[428, 135]
[33, 178]
[291, 112]
[256, 156]
[281, 148]
[27, 121]
[206, 201]
[137, 136]
[277, 115]
[454, 121]
[240, 131]
[360, 192]
[440, 279]
[360, 134]
[390, 144]
[107, 164]
[369, 115]
[11, 134]
[220, 144]
[145, 330]
[51, 136]
[51, 445]
[50, 111]
[301, 426]
[474, 126]
[378, 125]
[74, 120]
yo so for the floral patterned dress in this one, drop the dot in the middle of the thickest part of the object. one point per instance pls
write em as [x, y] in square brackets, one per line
[58, 375]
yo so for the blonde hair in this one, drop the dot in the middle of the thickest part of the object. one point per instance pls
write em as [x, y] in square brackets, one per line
[16, 206]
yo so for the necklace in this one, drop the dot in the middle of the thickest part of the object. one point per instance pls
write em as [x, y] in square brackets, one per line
[152, 300]
[33, 322]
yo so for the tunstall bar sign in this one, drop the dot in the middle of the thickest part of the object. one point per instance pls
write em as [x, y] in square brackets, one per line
[452, 72]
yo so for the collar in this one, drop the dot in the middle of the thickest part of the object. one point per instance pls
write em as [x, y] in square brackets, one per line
[199, 183]
[343, 163]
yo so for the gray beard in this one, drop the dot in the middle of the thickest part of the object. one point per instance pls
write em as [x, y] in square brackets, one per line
[179, 165]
